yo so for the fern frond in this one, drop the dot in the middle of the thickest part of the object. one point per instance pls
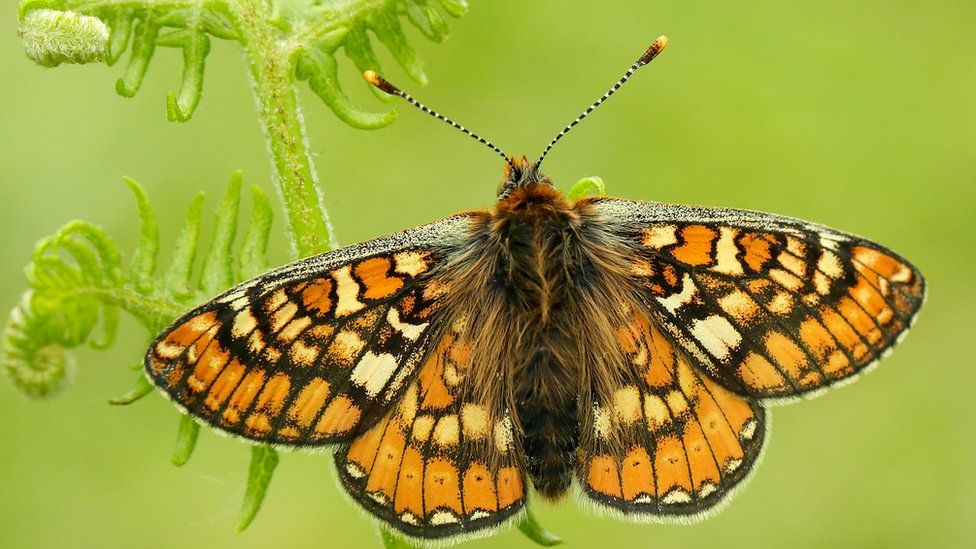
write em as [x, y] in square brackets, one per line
[84, 31]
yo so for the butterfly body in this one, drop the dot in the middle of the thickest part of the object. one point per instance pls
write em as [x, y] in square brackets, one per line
[535, 246]
[626, 346]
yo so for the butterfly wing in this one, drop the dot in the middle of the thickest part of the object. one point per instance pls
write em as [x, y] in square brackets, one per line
[768, 306]
[446, 461]
[309, 353]
[660, 440]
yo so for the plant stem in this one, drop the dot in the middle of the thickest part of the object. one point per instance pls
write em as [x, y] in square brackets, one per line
[273, 79]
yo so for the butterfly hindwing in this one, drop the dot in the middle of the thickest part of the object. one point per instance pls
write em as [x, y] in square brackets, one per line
[309, 353]
[445, 461]
[663, 441]
[767, 305]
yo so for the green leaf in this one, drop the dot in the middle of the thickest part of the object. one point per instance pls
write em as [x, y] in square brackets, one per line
[264, 459]
[359, 49]
[186, 440]
[143, 47]
[457, 8]
[530, 526]
[218, 273]
[253, 259]
[143, 263]
[388, 30]
[196, 47]
[118, 40]
[320, 71]
[587, 186]
[177, 277]
[139, 389]
[427, 19]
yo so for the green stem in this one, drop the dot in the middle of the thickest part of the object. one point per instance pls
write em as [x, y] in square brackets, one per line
[271, 63]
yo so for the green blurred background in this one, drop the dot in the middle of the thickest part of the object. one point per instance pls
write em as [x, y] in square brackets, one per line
[859, 115]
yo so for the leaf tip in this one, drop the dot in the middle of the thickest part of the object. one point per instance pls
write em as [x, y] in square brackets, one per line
[139, 389]
[173, 111]
[532, 529]
[123, 88]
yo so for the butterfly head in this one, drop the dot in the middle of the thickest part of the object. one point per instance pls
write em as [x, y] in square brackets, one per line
[520, 173]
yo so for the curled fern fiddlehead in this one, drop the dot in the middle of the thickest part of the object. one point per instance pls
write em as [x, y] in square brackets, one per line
[78, 284]
[54, 37]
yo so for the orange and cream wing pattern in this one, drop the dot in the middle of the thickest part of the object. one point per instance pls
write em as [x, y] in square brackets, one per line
[309, 353]
[445, 462]
[664, 441]
[767, 305]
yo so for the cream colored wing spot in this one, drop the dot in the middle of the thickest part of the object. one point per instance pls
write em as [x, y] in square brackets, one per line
[739, 305]
[675, 301]
[373, 371]
[504, 436]
[346, 346]
[725, 252]
[627, 405]
[409, 331]
[601, 421]
[422, 427]
[446, 433]
[244, 323]
[660, 236]
[655, 412]
[717, 336]
[474, 420]
[792, 263]
[283, 315]
[169, 350]
[411, 263]
[347, 291]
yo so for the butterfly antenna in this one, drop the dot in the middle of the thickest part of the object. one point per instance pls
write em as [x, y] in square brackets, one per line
[389, 88]
[648, 56]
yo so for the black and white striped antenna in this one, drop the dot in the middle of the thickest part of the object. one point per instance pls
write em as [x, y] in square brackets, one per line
[384, 85]
[648, 56]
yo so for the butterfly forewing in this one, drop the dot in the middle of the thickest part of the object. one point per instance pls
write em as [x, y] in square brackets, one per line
[309, 353]
[768, 306]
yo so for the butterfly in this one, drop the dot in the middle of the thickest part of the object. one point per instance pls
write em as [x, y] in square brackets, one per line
[628, 348]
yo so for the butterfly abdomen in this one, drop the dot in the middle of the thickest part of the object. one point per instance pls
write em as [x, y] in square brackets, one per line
[547, 412]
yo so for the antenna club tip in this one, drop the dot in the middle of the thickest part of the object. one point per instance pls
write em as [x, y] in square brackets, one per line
[656, 48]
[375, 79]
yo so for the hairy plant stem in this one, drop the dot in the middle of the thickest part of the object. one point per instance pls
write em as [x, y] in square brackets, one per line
[272, 70]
